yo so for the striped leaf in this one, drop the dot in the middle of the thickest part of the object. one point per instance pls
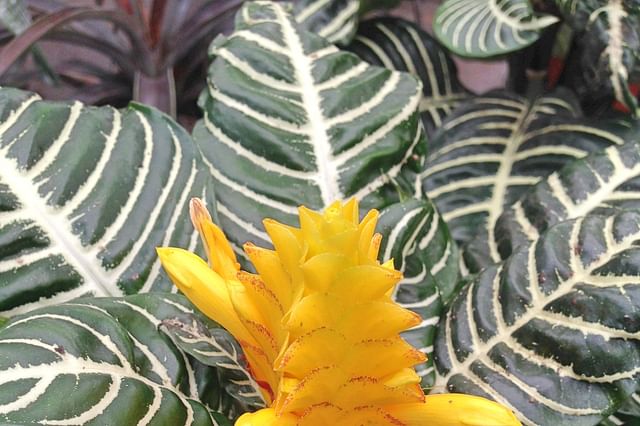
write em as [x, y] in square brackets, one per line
[601, 183]
[217, 348]
[628, 414]
[491, 150]
[610, 44]
[552, 332]
[486, 28]
[289, 120]
[103, 361]
[401, 45]
[86, 194]
[418, 241]
[335, 20]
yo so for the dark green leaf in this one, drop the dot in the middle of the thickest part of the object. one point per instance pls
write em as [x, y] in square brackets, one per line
[86, 195]
[553, 332]
[418, 241]
[601, 183]
[290, 120]
[401, 45]
[100, 361]
[491, 150]
[335, 20]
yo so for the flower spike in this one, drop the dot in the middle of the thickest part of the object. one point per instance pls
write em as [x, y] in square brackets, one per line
[319, 326]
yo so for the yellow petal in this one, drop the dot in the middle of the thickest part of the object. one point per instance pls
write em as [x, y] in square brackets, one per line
[219, 252]
[405, 376]
[204, 288]
[268, 265]
[454, 410]
[381, 357]
[376, 320]
[366, 390]
[365, 282]
[319, 348]
[250, 316]
[266, 417]
[265, 301]
[316, 388]
[320, 415]
[322, 270]
[367, 228]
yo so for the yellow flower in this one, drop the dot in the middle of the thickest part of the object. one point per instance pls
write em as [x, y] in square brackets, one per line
[318, 324]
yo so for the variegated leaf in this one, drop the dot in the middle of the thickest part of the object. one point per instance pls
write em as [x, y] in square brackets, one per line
[628, 414]
[401, 45]
[102, 361]
[552, 333]
[610, 44]
[485, 28]
[289, 120]
[491, 150]
[335, 20]
[217, 348]
[603, 182]
[86, 194]
[418, 241]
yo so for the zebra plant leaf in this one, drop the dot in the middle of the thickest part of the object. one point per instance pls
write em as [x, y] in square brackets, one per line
[86, 194]
[217, 348]
[401, 45]
[603, 182]
[335, 20]
[289, 120]
[491, 150]
[553, 331]
[419, 243]
[104, 361]
[610, 44]
[486, 28]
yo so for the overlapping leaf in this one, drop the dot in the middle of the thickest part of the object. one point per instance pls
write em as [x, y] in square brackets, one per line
[418, 241]
[86, 194]
[401, 45]
[552, 332]
[217, 348]
[103, 361]
[335, 20]
[289, 120]
[485, 28]
[493, 148]
[601, 183]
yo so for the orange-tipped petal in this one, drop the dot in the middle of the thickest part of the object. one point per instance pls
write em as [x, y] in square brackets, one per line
[219, 252]
[454, 410]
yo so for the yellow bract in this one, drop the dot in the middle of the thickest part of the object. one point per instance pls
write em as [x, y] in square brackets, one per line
[318, 324]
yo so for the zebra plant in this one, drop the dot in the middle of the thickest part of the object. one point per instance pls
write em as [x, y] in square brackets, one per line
[487, 28]
[547, 325]
[87, 193]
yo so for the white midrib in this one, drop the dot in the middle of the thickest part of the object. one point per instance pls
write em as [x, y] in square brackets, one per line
[56, 227]
[506, 334]
[327, 172]
[615, 12]
[502, 178]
